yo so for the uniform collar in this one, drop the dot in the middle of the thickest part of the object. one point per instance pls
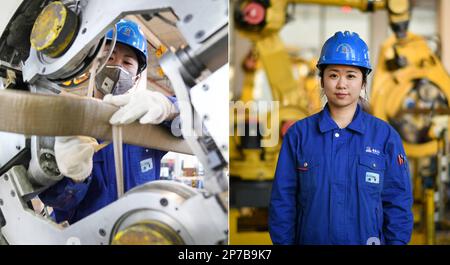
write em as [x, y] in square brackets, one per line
[357, 123]
[326, 123]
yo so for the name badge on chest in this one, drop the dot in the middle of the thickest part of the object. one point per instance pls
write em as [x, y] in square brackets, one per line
[372, 177]
[146, 165]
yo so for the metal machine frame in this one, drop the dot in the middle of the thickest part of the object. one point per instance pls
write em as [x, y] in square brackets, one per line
[197, 217]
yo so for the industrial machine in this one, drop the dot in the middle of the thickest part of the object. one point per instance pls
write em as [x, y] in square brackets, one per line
[411, 92]
[249, 135]
[252, 165]
[67, 39]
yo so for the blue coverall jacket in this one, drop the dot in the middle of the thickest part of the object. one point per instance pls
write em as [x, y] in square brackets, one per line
[74, 201]
[341, 186]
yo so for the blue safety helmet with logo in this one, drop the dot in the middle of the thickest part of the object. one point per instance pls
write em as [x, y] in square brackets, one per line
[129, 33]
[345, 48]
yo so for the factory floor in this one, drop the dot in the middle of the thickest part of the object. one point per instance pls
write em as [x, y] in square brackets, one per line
[442, 238]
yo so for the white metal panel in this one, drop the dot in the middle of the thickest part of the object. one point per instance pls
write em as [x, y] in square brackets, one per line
[8, 9]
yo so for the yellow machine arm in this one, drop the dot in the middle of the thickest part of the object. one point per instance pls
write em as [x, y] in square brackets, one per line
[261, 20]
[265, 17]
[254, 166]
[406, 70]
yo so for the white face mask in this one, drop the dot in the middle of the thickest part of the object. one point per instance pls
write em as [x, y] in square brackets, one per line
[114, 79]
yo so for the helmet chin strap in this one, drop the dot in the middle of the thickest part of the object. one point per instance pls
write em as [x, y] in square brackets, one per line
[93, 71]
[95, 65]
[136, 80]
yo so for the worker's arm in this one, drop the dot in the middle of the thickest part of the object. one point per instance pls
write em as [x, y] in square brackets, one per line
[282, 208]
[149, 107]
[174, 101]
[74, 157]
[168, 123]
[65, 195]
[397, 195]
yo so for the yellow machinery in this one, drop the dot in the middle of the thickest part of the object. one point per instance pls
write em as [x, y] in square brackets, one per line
[252, 165]
[256, 163]
[411, 90]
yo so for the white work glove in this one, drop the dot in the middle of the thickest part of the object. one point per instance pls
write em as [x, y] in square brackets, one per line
[73, 155]
[147, 106]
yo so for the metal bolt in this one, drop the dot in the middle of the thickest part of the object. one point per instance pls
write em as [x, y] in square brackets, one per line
[43, 70]
[205, 87]
[305, 164]
[199, 34]
[18, 147]
[206, 117]
[6, 177]
[102, 232]
[13, 193]
[1, 202]
[374, 165]
[164, 202]
[187, 18]
[224, 147]
[84, 31]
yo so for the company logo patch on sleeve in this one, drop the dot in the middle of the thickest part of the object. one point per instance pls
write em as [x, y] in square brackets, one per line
[401, 159]
[372, 177]
[146, 165]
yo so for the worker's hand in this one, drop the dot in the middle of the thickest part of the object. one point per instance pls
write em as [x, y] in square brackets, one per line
[73, 155]
[147, 106]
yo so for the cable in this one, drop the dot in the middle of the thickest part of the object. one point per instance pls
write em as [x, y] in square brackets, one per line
[95, 69]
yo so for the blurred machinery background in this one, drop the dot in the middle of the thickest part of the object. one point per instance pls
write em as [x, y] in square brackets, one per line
[274, 45]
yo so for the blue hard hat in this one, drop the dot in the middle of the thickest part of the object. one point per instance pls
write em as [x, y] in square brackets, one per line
[129, 33]
[345, 48]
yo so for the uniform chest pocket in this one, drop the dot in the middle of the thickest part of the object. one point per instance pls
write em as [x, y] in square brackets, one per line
[307, 173]
[142, 163]
[371, 173]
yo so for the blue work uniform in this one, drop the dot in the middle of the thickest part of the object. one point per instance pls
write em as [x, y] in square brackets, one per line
[73, 201]
[341, 186]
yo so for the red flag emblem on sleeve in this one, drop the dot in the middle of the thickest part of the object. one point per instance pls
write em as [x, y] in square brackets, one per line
[400, 159]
